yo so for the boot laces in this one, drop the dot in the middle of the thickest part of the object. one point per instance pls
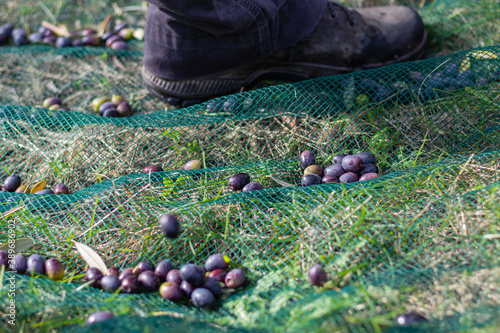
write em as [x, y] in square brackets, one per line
[348, 13]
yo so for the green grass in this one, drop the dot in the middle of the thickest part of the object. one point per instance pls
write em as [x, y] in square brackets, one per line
[423, 237]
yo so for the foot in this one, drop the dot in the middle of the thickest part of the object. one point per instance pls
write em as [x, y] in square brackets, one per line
[345, 40]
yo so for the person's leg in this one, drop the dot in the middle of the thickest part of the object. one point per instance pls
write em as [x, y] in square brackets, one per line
[200, 49]
[192, 38]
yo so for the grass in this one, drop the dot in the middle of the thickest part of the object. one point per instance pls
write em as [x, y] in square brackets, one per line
[420, 238]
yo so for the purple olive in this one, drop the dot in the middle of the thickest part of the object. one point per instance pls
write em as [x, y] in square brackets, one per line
[12, 182]
[110, 283]
[337, 159]
[54, 269]
[119, 45]
[63, 42]
[35, 37]
[61, 189]
[152, 168]
[95, 275]
[88, 32]
[111, 40]
[144, 266]
[352, 163]
[98, 316]
[4, 259]
[20, 264]
[113, 271]
[77, 42]
[45, 191]
[120, 26]
[171, 291]
[7, 29]
[124, 109]
[4, 39]
[367, 157]
[148, 280]
[126, 272]
[35, 264]
[328, 179]
[174, 276]
[368, 168]
[410, 319]
[187, 288]
[368, 176]
[307, 158]
[235, 278]
[214, 286]
[111, 113]
[238, 181]
[218, 274]
[334, 170]
[106, 106]
[317, 275]
[49, 40]
[169, 225]
[252, 186]
[202, 297]
[162, 268]
[310, 179]
[216, 261]
[130, 284]
[348, 177]
[91, 40]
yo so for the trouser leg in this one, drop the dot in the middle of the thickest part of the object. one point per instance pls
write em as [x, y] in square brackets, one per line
[191, 38]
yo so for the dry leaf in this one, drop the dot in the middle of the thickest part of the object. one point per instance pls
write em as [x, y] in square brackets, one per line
[91, 257]
[20, 245]
[59, 31]
[38, 186]
[103, 25]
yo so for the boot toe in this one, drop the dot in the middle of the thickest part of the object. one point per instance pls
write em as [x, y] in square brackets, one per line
[400, 32]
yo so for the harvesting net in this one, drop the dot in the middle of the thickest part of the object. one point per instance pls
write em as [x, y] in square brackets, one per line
[422, 237]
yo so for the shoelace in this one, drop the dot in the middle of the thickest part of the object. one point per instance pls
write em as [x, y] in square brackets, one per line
[331, 7]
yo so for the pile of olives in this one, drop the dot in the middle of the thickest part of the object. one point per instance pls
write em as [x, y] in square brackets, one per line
[202, 285]
[190, 165]
[13, 184]
[34, 264]
[52, 103]
[115, 39]
[116, 106]
[345, 169]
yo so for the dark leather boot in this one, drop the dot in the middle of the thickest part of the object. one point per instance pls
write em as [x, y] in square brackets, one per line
[345, 40]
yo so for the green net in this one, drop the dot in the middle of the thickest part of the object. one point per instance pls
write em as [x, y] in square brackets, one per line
[423, 237]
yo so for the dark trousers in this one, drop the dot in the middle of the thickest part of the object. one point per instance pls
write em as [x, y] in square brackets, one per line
[191, 38]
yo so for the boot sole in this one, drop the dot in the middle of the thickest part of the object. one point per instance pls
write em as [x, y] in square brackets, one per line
[189, 92]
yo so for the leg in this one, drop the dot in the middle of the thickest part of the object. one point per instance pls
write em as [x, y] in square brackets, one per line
[213, 35]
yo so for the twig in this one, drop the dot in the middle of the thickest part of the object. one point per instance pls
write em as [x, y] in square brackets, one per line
[454, 185]
[492, 236]
[12, 211]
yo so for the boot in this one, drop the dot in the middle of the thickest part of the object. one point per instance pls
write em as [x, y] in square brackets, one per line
[345, 40]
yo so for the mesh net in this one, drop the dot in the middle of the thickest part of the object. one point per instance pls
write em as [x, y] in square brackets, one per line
[423, 237]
